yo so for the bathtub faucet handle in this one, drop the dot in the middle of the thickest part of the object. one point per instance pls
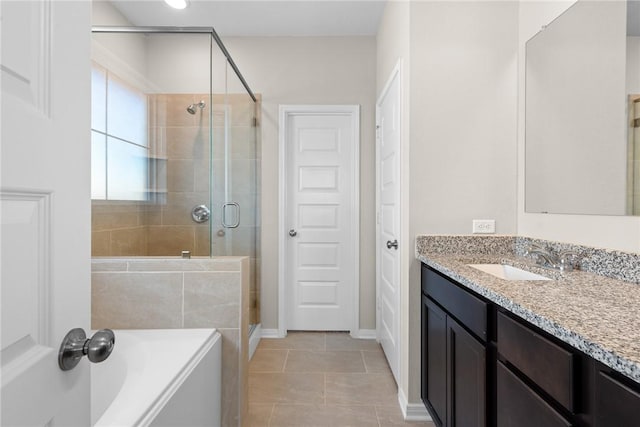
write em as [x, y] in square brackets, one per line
[75, 345]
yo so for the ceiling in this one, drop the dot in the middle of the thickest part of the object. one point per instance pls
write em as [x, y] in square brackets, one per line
[262, 17]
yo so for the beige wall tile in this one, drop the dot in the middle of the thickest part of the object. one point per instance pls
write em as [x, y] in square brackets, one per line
[187, 142]
[259, 414]
[177, 211]
[203, 240]
[180, 176]
[212, 299]
[113, 220]
[230, 376]
[175, 110]
[105, 264]
[169, 240]
[128, 242]
[136, 300]
[100, 243]
[286, 388]
[228, 264]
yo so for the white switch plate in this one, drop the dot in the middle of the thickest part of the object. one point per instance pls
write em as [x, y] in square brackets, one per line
[484, 226]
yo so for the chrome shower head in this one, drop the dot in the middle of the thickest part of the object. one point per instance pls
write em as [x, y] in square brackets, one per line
[191, 109]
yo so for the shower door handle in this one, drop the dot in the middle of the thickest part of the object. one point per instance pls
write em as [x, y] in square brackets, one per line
[235, 224]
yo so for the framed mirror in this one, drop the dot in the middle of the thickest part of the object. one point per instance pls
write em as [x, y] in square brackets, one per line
[582, 149]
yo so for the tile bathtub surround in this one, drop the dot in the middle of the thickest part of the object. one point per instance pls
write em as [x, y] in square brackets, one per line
[165, 293]
[593, 313]
[322, 379]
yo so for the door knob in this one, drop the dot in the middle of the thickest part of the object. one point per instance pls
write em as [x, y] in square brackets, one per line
[293, 233]
[393, 244]
[75, 345]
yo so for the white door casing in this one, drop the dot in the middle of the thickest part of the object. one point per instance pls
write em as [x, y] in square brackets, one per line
[388, 166]
[44, 209]
[319, 220]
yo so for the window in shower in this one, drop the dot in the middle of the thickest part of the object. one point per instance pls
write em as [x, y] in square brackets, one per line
[119, 142]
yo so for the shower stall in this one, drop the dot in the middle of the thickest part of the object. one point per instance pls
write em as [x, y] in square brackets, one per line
[175, 148]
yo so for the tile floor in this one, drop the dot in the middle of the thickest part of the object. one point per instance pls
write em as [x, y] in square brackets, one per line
[322, 379]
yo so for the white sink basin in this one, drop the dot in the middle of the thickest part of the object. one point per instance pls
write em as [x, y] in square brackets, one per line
[508, 272]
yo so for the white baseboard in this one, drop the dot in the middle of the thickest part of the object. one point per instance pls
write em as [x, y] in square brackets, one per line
[270, 333]
[254, 339]
[364, 334]
[412, 411]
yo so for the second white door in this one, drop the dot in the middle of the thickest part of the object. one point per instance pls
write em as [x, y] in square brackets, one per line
[321, 217]
[388, 207]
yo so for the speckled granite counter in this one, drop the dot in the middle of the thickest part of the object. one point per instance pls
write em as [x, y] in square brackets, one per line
[598, 315]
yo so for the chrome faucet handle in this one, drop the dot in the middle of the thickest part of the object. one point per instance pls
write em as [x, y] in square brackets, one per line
[568, 260]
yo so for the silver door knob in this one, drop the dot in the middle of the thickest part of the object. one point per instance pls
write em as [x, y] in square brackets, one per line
[75, 345]
[393, 244]
[293, 233]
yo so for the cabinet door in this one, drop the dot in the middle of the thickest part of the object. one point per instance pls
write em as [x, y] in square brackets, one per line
[519, 406]
[466, 379]
[434, 360]
[616, 404]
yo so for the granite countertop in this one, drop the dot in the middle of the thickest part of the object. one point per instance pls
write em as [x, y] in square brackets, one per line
[597, 315]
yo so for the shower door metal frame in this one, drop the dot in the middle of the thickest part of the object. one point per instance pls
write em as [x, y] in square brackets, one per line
[180, 30]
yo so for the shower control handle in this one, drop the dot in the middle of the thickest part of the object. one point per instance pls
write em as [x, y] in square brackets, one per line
[293, 233]
[75, 345]
[200, 213]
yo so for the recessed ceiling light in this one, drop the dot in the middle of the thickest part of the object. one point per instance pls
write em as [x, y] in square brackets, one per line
[177, 4]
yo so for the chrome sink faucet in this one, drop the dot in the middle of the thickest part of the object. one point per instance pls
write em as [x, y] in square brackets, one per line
[546, 257]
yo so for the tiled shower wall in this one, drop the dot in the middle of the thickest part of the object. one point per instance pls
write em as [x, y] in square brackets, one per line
[183, 170]
[179, 163]
[161, 293]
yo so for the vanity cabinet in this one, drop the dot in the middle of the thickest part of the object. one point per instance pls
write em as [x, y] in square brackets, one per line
[454, 354]
[617, 400]
[484, 366]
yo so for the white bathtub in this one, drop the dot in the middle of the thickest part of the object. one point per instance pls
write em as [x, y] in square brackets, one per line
[161, 377]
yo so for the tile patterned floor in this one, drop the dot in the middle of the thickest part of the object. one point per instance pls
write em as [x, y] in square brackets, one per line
[322, 379]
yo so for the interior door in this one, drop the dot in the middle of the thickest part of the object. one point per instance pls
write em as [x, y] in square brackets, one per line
[321, 199]
[45, 209]
[388, 209]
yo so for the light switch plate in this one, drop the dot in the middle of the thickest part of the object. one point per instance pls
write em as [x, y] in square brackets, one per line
[484, 226]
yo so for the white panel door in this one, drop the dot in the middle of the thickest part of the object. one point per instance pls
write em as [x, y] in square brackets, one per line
[44, 209]
[321, 245]
[388, 247]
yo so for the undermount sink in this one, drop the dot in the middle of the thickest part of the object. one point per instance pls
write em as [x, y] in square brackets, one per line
[508, 272]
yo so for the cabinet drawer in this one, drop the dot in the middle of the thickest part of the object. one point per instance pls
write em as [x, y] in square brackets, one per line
[469, 310]
[548, 365]
[616, 404]
[519, 406]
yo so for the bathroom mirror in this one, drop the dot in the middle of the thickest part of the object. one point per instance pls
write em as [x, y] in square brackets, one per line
[582, 148]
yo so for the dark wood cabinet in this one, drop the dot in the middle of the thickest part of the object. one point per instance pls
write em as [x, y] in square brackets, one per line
[467, 377]
[519, 406]
[434, 360]
[453, 358]
[616, 403]
[484, 366]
